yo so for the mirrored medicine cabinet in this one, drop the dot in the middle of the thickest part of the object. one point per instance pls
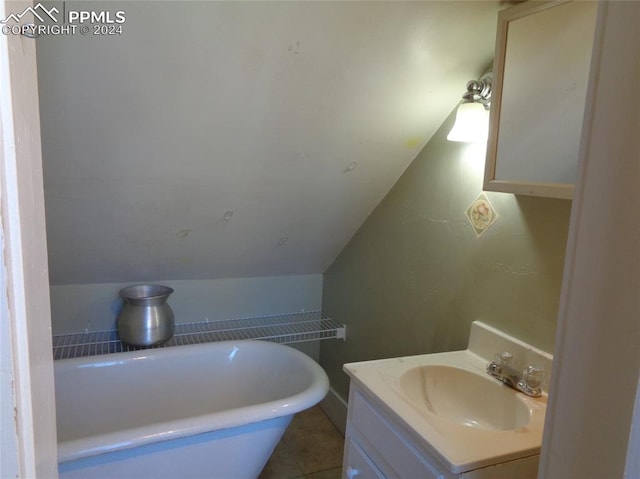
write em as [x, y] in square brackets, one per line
[541, 71]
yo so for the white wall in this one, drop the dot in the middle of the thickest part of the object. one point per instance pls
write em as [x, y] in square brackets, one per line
[258, 108]
[94, 307]
[597, 359]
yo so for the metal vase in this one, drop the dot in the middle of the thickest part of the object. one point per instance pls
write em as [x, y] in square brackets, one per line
[146, 319]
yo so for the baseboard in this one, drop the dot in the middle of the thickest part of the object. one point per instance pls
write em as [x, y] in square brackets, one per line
[335, 407]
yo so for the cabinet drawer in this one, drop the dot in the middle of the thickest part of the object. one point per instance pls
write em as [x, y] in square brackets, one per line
[398, 453]
[357, 465]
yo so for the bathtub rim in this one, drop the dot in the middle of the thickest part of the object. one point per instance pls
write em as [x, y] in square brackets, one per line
[165, 431]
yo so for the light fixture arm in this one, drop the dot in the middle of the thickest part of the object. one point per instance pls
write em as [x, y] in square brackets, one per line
[479, 91]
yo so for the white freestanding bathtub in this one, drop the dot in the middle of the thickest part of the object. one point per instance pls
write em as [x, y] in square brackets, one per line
[213, 410]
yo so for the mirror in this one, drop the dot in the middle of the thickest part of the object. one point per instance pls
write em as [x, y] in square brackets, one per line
[543, 56]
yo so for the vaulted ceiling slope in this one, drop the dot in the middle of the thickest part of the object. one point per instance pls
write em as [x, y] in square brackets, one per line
[235, 139]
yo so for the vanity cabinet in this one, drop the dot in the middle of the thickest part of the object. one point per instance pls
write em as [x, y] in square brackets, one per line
[378, 445]
[540, 77]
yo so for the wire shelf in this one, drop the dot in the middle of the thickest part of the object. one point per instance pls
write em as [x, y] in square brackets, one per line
[283, 328]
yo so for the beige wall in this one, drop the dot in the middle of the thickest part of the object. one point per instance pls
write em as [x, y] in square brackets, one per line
[415, 276]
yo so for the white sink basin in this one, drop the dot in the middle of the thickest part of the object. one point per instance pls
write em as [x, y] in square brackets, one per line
[464, 397]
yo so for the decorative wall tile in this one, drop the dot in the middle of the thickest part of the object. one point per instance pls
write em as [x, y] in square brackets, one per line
[481, 214]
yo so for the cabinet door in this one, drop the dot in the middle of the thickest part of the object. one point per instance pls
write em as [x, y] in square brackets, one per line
[541, 71]
[393, 453]
[357, 465]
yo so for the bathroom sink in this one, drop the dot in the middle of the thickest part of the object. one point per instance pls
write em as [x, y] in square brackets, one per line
[464, 397]
[452, 408]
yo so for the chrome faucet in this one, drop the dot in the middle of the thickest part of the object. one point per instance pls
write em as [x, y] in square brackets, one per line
[528, 382]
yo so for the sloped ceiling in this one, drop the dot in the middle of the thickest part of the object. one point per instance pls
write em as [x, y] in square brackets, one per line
[234, 139]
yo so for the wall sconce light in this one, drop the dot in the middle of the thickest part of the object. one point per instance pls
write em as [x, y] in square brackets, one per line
[472, 117]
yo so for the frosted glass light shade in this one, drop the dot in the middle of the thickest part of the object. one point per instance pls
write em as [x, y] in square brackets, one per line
[472, 124]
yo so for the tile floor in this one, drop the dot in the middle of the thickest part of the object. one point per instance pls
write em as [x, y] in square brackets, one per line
[311, 448]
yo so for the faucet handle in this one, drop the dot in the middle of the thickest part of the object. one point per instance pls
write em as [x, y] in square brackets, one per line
[531, 382]
[532, 377]
[504, 359]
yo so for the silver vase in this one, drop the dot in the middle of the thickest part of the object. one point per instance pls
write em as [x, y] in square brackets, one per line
[146, 319]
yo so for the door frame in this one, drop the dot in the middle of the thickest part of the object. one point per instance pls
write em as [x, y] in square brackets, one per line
[29, 446]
